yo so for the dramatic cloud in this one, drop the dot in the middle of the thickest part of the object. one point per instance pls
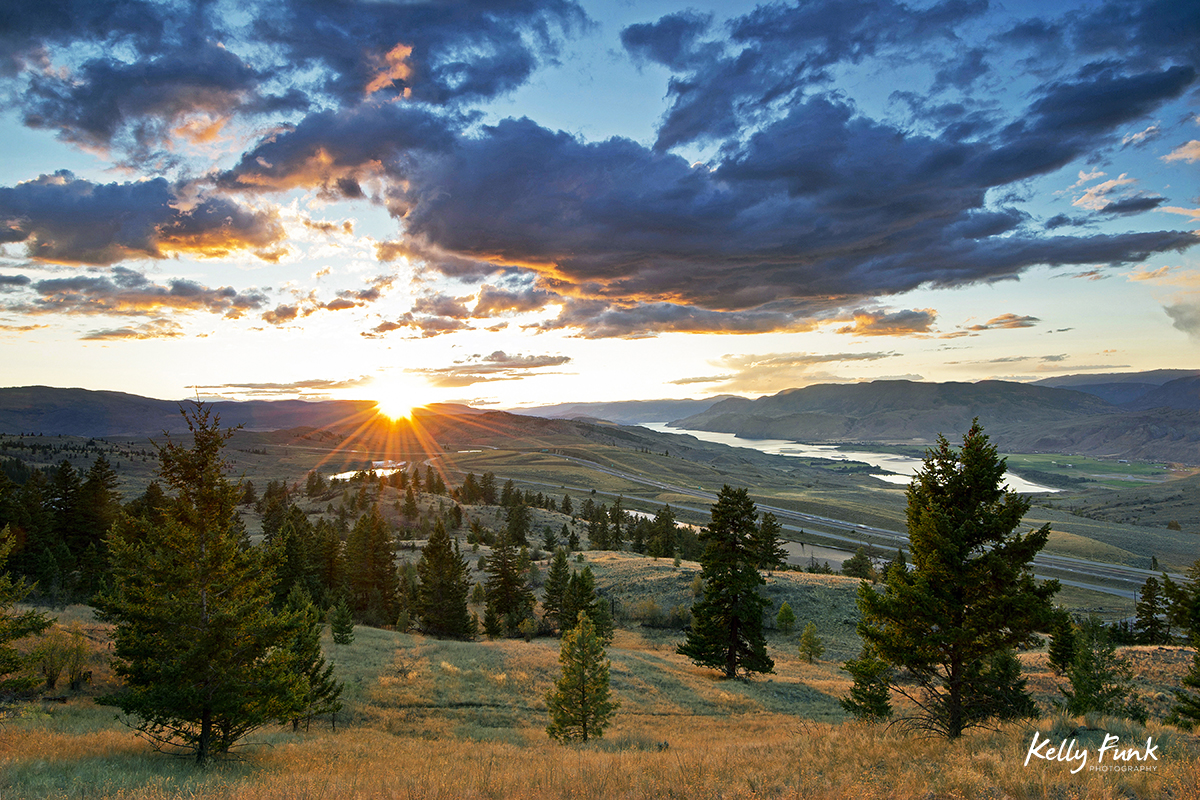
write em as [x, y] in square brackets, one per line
[896, 323]
[499, 366]
[67, 220]
[125, 292]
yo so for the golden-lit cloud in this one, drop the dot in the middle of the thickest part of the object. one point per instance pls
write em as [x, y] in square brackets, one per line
[1189, 152]
[1005, 322]
[125, 292]
[153, 329]
[393, 67]
[913, 322]
[497, 366]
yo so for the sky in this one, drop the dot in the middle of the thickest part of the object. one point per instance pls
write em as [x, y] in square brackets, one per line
[520, 202]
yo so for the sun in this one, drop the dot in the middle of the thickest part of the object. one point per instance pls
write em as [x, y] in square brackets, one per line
[395, 407]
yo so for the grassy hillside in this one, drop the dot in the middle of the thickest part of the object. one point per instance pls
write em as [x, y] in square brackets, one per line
[440, 719]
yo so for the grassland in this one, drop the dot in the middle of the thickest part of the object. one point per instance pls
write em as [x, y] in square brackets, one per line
[427, 718]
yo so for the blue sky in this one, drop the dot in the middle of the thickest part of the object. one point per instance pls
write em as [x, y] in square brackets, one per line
[527, 202]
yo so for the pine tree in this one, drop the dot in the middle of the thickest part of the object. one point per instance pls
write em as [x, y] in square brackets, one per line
[1149, 627]
[661, 542]
[768, 544]
[970, 595]
[341, 624]
[554, 592]
[727, 629]
[1186, 710]
[858, 565]
[1101, 681]
[580, 704]
[1062, 642]
[870, 697]
[371, 571]
[320, 691]
[509, 598]
[811, 647]
[203, 657]
[581, 597]
[785, 620]
[14, 679]
[444, 584]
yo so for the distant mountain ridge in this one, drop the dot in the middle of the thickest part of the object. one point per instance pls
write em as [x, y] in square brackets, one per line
[624, 412]
[1019, 417]
[85, 412]
[1160, 388]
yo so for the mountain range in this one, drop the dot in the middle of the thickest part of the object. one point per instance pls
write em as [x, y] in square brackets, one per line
[1157, 419]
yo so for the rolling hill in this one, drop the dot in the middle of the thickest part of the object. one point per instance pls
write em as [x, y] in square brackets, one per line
[1019, 417]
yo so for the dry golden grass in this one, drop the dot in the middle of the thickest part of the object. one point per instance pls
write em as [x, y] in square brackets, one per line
[444, 719]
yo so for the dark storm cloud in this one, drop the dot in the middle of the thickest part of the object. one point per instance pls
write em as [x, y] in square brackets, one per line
[822, 209]
[777, 51]
[12, 282]
[436, 52]
[29, 27]
[336, 150]
[73, 221]
[105, 96]
[125, 292]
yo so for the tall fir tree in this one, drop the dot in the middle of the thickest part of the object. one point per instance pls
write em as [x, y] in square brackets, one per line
[768, 543]
[203, 657]
[371, 571]
[444, 583]
[554, 591]
[581, 704]
[1150, 626]
[320, 691]
[16, 678]
[970, 595]
[582, 597]
[662, 540]
[1101, 681]
[727, 627]
[509, 598]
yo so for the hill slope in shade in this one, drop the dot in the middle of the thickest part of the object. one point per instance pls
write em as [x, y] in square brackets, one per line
[625, 412]
[1019, 418]
[1126, 388]
[1181, 393]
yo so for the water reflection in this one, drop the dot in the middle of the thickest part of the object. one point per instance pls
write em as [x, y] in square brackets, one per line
[898, 469]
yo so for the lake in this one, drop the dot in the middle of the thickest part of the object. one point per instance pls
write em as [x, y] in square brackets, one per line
[896, 468]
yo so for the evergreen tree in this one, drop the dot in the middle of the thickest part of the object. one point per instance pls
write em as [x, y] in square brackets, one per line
[320, 691]
[618, 518]
[661, 542]
[1186, 710]
[203, 658]
[371, 571]
[970, 595]
[580, 704]
[14, 678]
[811, 646]
[785, 620]
[549, 540]
[858, 565]
[727, 629]
[1150, 627]
[509, 598]
[1183, 603]
[554, 593]
[517, 520]
[565, 506]
[581, 597]
[1100, 679]
[597, 531]
[1062, 642]
[444, 584]
[487, 489]
[870, 697]
[768, 543]
[341, 624]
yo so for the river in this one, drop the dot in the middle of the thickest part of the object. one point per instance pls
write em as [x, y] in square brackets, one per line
[896, 468]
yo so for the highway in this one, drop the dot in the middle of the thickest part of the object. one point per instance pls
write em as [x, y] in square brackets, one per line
[1113, 579]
